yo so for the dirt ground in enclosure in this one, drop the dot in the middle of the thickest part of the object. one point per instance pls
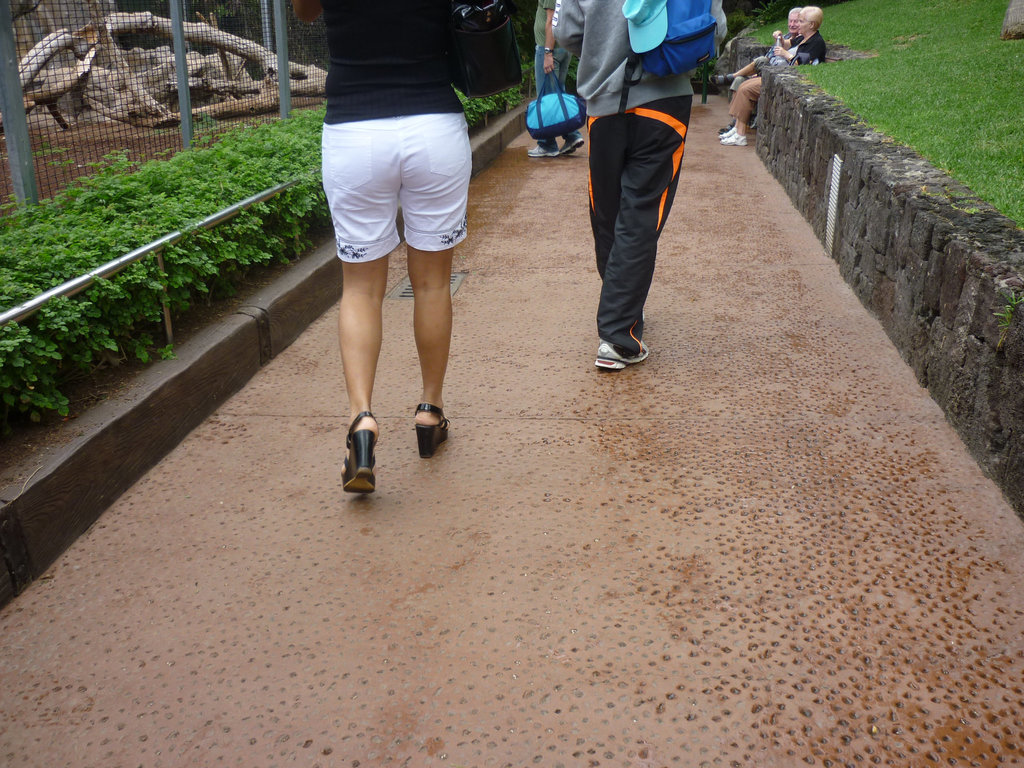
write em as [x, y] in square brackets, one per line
[61, 156]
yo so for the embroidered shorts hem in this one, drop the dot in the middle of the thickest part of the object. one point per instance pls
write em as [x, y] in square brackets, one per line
[436, 241]
[371, 167]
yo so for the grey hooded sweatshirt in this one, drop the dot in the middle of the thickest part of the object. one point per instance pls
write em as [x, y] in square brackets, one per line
[595, 30]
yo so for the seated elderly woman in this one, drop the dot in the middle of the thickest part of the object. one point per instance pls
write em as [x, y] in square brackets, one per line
[810, 50]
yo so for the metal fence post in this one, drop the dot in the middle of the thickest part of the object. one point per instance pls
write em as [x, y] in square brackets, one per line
[12, 107]
[266, 24]
[181, 67]
[281, 35]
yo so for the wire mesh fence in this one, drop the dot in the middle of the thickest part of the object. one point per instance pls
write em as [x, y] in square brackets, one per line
[100, 83]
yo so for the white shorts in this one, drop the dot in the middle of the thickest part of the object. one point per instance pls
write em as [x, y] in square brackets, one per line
[370, 166]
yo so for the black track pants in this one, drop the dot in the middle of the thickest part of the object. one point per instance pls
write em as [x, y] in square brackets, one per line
[634, 169]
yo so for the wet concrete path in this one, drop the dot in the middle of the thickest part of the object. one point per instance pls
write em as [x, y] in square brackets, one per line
[762, 547]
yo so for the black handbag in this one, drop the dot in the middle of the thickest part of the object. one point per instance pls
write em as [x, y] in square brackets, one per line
[484, 56]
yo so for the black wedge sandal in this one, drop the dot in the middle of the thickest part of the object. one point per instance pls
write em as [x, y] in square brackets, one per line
[358, 474]
[430, 436]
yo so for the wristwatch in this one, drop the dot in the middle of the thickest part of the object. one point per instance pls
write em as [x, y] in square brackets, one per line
[549, 50]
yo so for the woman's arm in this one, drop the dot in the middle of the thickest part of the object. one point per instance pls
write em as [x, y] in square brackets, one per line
[307, 10]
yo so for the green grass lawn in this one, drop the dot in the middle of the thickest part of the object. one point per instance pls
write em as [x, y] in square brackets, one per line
[942, 82]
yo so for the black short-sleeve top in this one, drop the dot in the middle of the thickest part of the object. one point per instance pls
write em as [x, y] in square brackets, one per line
[388, 59]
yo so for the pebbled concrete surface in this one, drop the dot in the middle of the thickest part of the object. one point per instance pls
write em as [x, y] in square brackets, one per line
[762, 547]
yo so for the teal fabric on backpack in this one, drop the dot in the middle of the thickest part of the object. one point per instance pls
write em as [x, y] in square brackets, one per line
[689, 42]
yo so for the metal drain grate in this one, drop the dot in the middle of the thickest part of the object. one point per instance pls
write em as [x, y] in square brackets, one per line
[404, 289]
[833, 203]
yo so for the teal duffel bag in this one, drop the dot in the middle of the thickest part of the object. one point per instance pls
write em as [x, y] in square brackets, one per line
[554, 112]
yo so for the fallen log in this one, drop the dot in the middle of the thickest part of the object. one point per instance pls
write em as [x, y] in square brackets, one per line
[140, 88]
[199, 33]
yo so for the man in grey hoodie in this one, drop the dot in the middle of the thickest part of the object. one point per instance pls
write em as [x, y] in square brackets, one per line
[637, 136]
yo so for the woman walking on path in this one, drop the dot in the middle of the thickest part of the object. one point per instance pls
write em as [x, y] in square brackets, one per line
[394, 133]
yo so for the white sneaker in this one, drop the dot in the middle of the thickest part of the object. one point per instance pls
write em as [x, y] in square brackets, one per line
[539, 151]
[609, 358]
[727, 134]
[735, 141]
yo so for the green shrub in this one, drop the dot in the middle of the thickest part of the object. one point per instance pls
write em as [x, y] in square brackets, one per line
[477, 110]
[773, 10]
[123, 208]
[736, 22]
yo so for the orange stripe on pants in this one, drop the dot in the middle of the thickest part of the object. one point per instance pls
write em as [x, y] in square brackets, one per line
[677, 156]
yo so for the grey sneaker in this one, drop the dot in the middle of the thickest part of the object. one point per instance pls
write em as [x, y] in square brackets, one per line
[571, 146]
[539, 151]
[614, 358]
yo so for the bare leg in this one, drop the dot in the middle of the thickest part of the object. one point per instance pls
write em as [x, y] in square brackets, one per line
[741, 128]
[430, 275]
[360, 330]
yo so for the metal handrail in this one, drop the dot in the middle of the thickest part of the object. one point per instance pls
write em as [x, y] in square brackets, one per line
[79, 284]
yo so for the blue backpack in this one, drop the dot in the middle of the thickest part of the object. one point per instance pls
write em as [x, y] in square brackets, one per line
[689, 42]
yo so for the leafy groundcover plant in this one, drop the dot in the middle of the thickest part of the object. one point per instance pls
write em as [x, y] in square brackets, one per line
[126, 206]
[123, 208]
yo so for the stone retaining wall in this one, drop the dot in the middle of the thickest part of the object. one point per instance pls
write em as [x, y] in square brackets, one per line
[921, 251]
